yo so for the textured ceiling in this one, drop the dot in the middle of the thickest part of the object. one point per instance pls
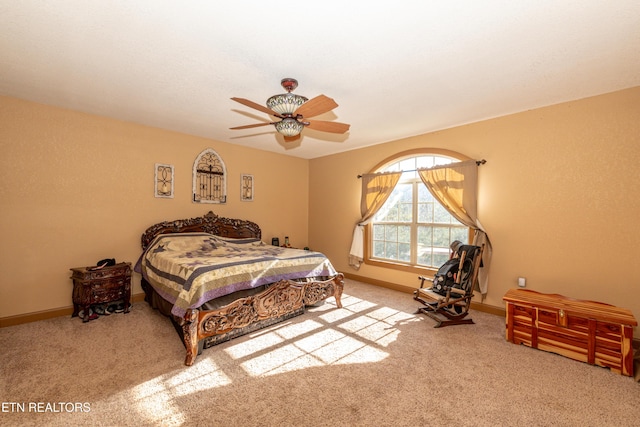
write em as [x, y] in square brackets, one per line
[396, 68]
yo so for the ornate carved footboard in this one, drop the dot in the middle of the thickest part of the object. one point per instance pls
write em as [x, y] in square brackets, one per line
[280, 301]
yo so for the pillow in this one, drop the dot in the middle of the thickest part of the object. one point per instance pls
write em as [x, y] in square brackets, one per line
[241, 240]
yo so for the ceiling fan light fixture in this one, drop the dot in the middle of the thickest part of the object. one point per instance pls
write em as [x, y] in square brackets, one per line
[294, 111]
[286, 103]
[289, 127]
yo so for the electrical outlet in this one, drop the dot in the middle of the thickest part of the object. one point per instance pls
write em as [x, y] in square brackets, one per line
[522, 282]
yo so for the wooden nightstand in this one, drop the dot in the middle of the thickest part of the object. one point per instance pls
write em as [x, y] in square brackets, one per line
[100, 286]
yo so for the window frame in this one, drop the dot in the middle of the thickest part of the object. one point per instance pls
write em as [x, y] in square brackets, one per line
[368, 229]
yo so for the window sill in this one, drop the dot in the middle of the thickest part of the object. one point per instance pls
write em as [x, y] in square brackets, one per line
[401, 267]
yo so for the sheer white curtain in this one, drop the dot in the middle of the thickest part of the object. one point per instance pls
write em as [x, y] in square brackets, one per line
[455, 186]
[376, 189]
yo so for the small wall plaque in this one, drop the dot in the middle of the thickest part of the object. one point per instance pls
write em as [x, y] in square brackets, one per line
[246, 188]
[164, 181]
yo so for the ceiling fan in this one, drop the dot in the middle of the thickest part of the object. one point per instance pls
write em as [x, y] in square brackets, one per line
[294, 110]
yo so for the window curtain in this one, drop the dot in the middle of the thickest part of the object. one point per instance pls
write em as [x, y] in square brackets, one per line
[376, 189]
[455, 186]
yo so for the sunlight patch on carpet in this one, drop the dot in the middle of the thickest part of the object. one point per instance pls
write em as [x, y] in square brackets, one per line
[201, 376]
[348, 350]
[254, 345]
[298, 329]
[154, 402]
[279, 360]
[377, 332]
[319, 340]
[357, 305]
[154, 399]
[377, 326]
[336, 315]
[356, 333]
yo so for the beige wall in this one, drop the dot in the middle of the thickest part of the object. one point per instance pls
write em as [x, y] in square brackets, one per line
[77, 188]
[558, 196]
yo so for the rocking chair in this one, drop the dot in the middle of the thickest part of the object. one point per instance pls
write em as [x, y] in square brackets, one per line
[448, 300]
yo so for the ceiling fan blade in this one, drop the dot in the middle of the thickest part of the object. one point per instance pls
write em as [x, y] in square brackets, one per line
[324, 126]
[256, 106]
[316, 106]
[251, 126]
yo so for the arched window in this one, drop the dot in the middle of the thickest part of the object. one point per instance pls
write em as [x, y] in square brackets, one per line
[412, 229]
[209, 178]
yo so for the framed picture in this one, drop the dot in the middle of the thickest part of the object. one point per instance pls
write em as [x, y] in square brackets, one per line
[246, 188]
[164, 181]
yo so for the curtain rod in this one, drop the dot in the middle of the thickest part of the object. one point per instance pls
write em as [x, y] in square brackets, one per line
[478, 162]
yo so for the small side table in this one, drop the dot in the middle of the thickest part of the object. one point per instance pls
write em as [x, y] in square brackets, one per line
[100, 286]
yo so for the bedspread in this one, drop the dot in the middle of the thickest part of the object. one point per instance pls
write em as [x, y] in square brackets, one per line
[189, 269]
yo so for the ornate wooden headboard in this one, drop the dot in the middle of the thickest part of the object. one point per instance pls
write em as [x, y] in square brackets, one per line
[209, 223]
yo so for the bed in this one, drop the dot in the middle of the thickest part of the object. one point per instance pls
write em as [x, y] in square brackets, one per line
[216, 280]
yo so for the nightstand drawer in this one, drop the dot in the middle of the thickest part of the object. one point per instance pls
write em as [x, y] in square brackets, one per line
[107, 285]
[106, 295]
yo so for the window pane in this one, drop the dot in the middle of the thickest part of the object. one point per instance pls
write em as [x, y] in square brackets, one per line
[437, 160]
[408, 165]
[424, 161]
[441, 237]
[425, 212]
[425, 239]
[405, 193]
[391, 233]
[460, 233]
[404, 252]
[405, 202]
[424, 195]
[378, 232]
[425, 204]
[391, 250]
[440, 258]
[404, 234]
[378, 249]
[405, 212]
[425, 236]
[440, 214]
[425, 258]
[390, 213]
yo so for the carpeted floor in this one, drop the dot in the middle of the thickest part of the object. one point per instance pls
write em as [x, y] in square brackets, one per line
[372, 363]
